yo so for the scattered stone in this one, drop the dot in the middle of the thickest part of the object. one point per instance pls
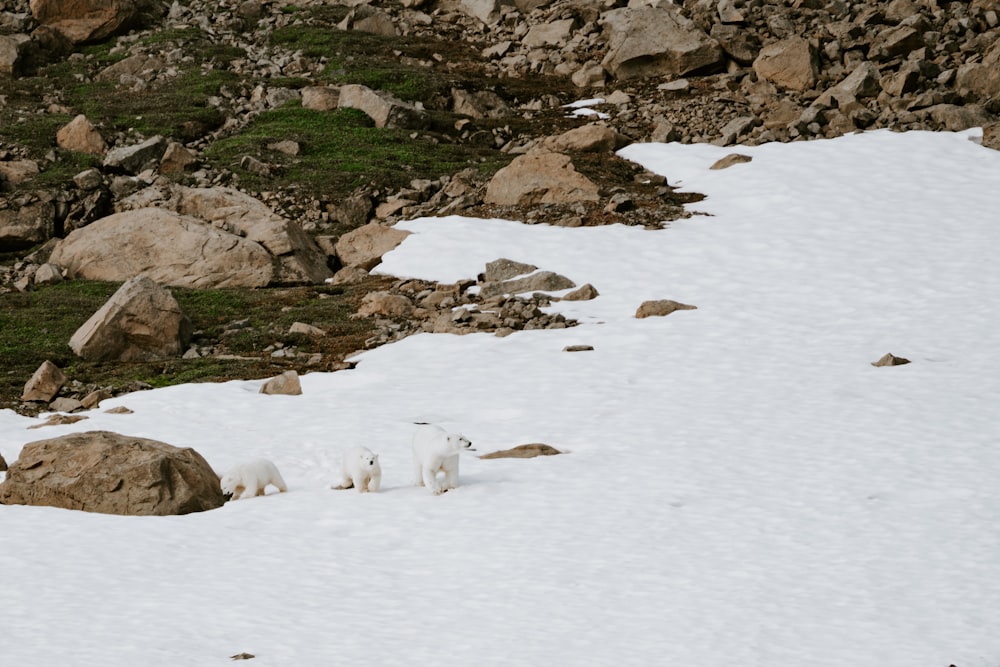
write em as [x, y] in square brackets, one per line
[384, 109]
[320, 98]
[45, 383]
[119, 410]
[385, 304]
[523, 452]
[59, 420]
[660, 308]
[65, 404]
[656, 41]
[578, 348]
[243, 656]
[306, 329]
[106, 472]
[890, 359]
[287, 383]
[81, 136]
[140, 322]
[730, 160]
[504, 269]
[584, 293]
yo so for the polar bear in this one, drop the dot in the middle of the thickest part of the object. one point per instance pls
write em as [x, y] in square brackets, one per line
[360, 469]
[435, 450]
[249, 479]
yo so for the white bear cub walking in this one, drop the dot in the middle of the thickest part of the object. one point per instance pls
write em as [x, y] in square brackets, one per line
[250, 479]
[359, 468]
[435, 450]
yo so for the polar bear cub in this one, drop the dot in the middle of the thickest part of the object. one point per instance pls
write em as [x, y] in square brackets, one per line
[359, 468]
[249, 479]
[436, 451]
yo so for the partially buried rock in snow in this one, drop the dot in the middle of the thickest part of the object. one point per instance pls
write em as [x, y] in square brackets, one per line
[523, 452]
[660, 308]
[140, 322]
[287, 383]
[889, 359]
[3, 463]
[106, 472]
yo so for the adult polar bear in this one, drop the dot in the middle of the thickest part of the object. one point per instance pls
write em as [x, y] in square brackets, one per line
[249, 479]
[436, 451]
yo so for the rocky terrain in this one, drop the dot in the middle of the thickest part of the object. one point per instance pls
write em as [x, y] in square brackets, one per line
[253, 156]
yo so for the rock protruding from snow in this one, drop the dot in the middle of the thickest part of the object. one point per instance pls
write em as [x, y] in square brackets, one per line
[286, 384]
[365, 246]
[106, 472]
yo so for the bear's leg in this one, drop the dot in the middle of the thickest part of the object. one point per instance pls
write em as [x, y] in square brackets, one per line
[247, 491]
[450, 468]
[345, 482]
[430, 481]
[362, 485]
[374, 483]
[277, 480]
[418, 471]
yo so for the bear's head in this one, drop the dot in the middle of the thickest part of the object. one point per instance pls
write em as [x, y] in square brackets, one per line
[458, 443]
[229, 484]
[368, 460]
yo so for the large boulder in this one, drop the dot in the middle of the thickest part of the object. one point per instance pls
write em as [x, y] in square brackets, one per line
[297, 258]
[140, 322]
[789, 63]
[656, 42]
[111, 473]
[540, 178]
[85, 20]
[170, 248]
[364, 247]
[12, 53]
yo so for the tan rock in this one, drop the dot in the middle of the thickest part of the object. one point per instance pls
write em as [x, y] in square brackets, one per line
[385, 304]
[169, 248]
[523, 452]
[790, 63]
[364, 247]
[81, 136]
[660, 308]
[286, 384]
[540, 178]
[44, 384]
[655, 41]
[106, 472]
[141, 321]
[591, 138]
[18, 171]
[889, 359]
[299, 259]
[583, 293]
[320, 98]
[85, 20]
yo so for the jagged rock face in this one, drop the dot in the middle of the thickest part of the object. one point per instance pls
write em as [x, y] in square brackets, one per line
[140, 322]
[111, 473]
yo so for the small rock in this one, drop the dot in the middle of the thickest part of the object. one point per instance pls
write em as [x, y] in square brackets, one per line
[890, 359]
[578, 348]
[730, 160]
[287, 383]
[660, 308]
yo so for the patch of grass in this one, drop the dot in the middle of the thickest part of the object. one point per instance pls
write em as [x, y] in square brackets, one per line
[36, 326]
[340, 151]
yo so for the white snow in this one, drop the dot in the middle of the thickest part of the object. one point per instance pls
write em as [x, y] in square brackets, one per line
[742, 488]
